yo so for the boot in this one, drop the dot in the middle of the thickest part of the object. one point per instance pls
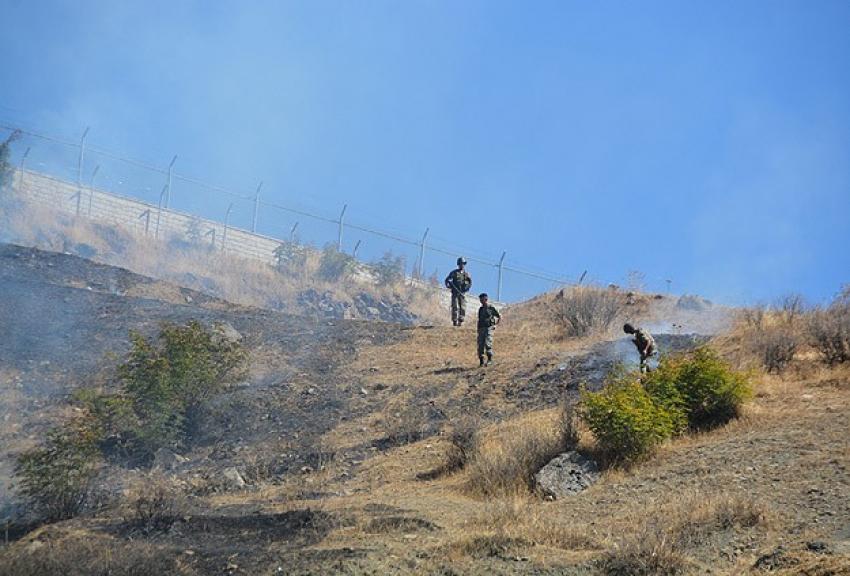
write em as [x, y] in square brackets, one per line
[489, 359]
[481, 361]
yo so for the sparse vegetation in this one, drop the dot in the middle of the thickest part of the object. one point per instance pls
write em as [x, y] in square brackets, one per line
[464, 442]
[156, 505]
[829, 329]
[290, 258]
[586, 310]
[507, 464]
[56, 476]
[775, 334]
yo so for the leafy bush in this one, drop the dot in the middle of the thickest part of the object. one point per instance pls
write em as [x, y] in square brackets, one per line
[634, 413]
[56, 476]
[829, 330]
[698, 390]
[164, 381]
[334, 265]
[627, 423]
[585, 310]
[389, 270]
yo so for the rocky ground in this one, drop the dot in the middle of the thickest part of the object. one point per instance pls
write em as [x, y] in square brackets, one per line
[321, 460]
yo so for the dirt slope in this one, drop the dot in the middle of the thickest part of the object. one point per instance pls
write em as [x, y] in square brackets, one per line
[330, 490]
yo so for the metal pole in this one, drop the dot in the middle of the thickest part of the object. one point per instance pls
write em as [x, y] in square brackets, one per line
[356, 246]
[159, 210]
[339, 239]
[80, 161]
[226, 219]
[23, 163]
[170, 172]
[256, 207]
[668, 284]
[499, 287]
[292, 233]
[422, 253]
[91, 189]
[147, 216]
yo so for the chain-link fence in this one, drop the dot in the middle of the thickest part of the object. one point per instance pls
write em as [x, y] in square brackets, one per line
[97, 174]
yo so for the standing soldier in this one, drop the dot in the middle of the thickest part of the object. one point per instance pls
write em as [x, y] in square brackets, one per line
[488, 317]
[459, 282]
[644, 342]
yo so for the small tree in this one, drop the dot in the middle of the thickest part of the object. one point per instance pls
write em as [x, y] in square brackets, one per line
[56, 476]
[290, 257]
[389, 270]
[334, 265]
[829, 329]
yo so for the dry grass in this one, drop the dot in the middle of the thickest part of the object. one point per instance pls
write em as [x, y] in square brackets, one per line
[665, 537]
[87, 555]
[196, 266]
[510, 456]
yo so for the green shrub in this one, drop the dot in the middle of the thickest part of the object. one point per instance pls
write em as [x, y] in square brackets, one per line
[627, 423]
[698, 389]
[164, 381]
[334, 265]
[56, 476]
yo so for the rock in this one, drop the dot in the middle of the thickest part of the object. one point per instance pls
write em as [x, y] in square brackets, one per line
[227, 332]
[693, 303]
[165, 459]
[565, 475]
[232, 478]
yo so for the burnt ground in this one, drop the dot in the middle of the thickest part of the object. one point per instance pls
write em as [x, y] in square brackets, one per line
[315, 427]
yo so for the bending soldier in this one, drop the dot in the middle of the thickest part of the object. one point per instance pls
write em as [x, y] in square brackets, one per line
[488, 317]
[644, 342]
[459, 282]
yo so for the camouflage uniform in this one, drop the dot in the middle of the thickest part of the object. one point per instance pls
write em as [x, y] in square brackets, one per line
[488, 317]
[459, 282]
[645, 344]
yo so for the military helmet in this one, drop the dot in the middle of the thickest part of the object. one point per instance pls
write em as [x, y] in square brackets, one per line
[628, 328]
[483, 295]
[461, 261]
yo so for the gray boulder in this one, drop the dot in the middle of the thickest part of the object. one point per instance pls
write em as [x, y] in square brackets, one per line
[224, 331]
[231, 478]
[165, 459]
[566, 474]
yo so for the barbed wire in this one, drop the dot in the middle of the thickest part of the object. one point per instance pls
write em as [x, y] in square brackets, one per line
[449, 251]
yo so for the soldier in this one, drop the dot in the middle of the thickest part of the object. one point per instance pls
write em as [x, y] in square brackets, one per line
[488, 317]
[459, 282]
[644, 343]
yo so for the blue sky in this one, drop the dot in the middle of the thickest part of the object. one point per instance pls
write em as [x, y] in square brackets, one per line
[707, 142]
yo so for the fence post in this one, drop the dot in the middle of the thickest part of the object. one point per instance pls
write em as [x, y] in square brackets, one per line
[168, 185]
[147, 216]
[292, 233]
[226, 219]
[23, 169]
[80, 161]
[422, 253]
[339, 238]
[356, 246]
[159, 210]
[499, 286]
[91, 190]
[256, 207]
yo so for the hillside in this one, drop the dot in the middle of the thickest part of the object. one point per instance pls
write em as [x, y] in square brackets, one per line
[339, 432]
